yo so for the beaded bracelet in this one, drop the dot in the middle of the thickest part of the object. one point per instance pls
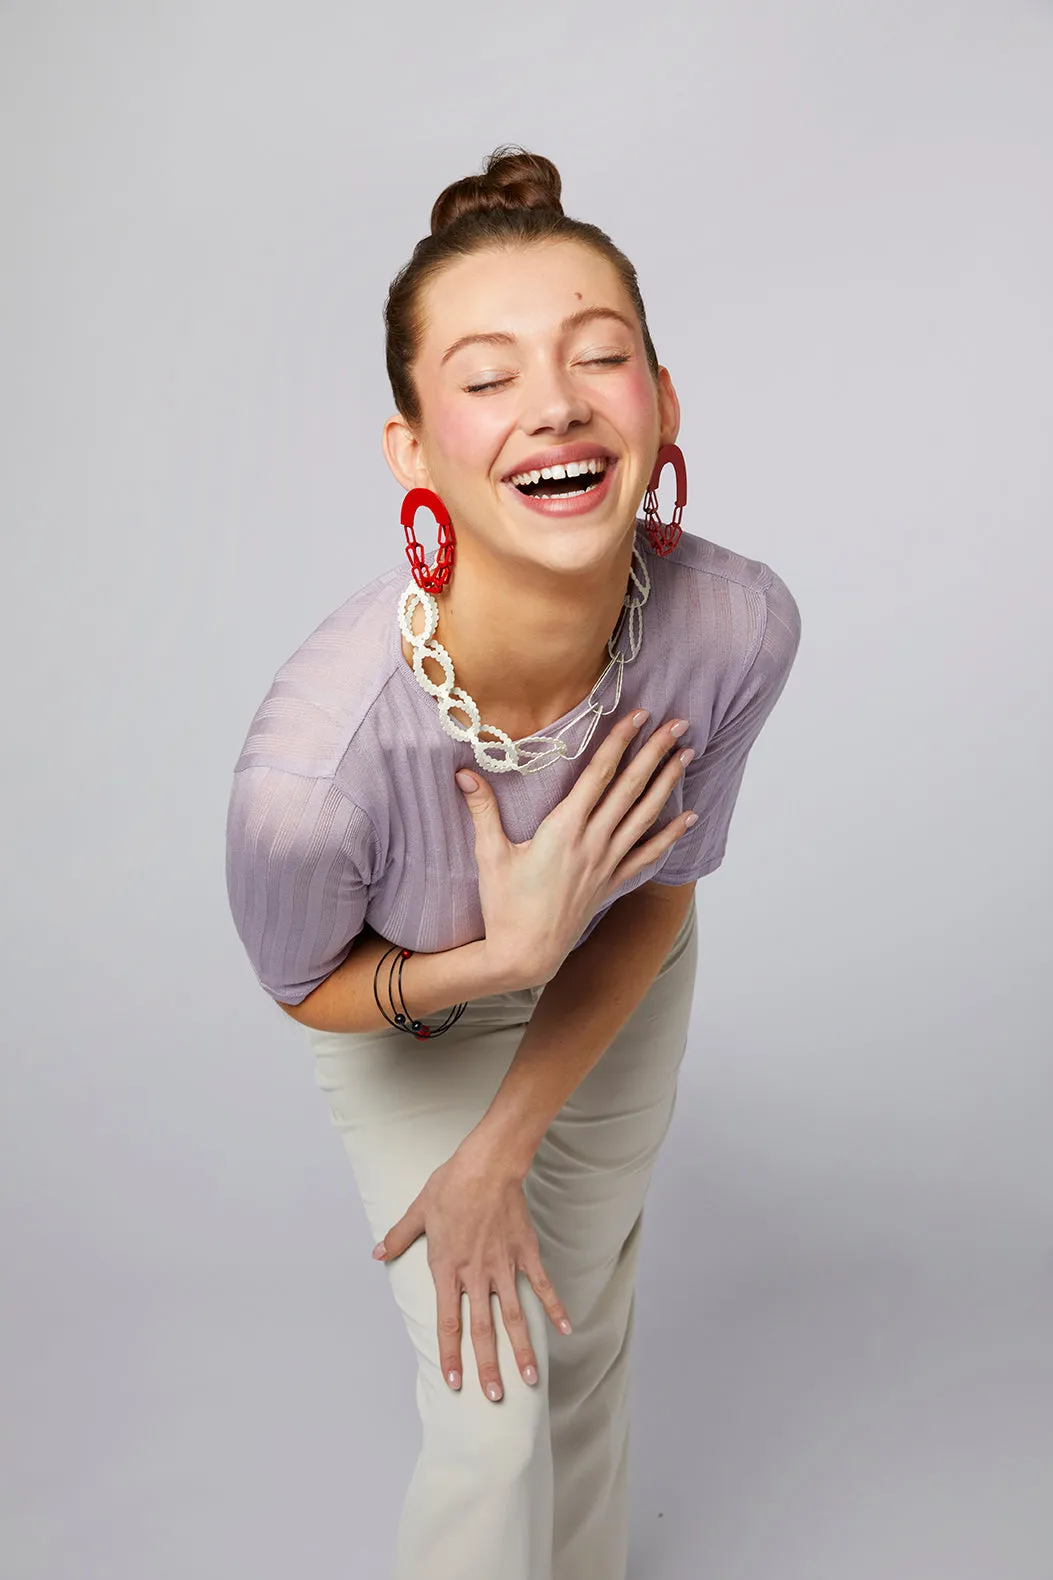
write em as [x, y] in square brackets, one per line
[405, 1021]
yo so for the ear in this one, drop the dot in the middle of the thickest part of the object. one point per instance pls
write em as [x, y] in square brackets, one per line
[669, 407]
[402, 451]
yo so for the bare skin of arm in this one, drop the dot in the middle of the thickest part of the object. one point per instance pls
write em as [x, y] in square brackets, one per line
[430, 983]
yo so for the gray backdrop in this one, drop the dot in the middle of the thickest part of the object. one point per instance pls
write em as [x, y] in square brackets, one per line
[841, 218]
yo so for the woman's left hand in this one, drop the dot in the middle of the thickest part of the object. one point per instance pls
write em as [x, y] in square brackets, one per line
[474, 1213]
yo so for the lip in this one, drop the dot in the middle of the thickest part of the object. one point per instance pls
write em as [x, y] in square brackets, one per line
[563, 504]
[580, 450]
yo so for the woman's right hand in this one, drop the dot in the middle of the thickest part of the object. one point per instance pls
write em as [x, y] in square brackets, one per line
[538, 897]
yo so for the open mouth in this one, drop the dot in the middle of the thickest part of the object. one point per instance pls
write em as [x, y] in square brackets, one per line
[562, 482]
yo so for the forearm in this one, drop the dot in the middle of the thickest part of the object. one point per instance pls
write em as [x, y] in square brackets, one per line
[430, 983]
[578, 1015]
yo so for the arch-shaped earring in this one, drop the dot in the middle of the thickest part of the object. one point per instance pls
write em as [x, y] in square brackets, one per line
[428, 578]
[665, 536]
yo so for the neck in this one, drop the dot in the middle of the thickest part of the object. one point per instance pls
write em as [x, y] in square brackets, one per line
[528, 646]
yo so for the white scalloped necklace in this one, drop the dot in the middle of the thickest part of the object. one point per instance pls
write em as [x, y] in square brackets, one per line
[514, 759]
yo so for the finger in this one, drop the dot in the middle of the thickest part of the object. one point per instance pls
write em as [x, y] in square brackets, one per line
[636, 781]
[448, 1292]
[639, 816]
[643, 855]
[546, 1293]
[602, 766]
[487, 831]
[660, 789]
[401, 1235]
[516, 1327]
[484, 1342]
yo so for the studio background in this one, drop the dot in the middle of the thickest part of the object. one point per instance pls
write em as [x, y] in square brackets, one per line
[841, 221]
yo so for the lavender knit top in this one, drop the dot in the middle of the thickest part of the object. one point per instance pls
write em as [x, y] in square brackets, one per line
[344, 808]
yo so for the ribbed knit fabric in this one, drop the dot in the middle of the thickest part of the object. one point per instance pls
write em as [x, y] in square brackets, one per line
[344, 807]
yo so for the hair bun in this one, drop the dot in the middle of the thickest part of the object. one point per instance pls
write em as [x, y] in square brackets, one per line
[511, 178]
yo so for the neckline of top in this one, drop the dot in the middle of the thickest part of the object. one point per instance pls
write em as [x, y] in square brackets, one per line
[430, 703]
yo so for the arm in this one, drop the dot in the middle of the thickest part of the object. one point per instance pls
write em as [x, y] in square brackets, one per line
[430, 983]
[580, 1012]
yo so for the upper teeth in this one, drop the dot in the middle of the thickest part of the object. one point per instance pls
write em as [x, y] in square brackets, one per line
[598, 463]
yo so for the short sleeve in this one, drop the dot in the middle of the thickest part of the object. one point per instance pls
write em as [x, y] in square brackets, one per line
[300, 859]
[712, 781]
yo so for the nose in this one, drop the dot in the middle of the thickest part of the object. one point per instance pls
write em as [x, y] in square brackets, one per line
[552, 400]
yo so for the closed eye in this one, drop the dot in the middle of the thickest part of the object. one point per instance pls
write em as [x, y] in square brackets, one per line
[473, 389]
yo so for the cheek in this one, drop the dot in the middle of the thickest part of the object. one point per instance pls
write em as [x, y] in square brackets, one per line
[466, 438]
[636, 404]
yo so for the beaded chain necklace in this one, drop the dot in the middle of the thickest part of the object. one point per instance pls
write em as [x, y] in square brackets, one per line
[450, 695]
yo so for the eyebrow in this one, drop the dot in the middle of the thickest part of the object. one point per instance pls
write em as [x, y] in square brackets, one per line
[499, 337]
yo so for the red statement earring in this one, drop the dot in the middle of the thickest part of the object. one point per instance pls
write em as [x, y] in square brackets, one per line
[428, 578]
[665, 536]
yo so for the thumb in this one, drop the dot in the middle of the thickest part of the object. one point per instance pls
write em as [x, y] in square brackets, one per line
[482, 804]
[401, 1235]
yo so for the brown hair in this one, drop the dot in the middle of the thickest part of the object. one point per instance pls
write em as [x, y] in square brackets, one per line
[515, 200]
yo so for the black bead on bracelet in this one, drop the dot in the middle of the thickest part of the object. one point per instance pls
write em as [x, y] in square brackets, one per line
[405, 1021]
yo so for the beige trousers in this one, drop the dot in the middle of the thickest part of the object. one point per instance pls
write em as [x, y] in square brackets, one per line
[533, 1487]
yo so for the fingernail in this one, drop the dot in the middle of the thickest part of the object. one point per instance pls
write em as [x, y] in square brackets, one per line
[564, 1326]
[680, 726]
[466, 781]
[685, 757]
[453, 1378]
[691, 819]
[638, 718]
[530, 1375]
[493, 1391]
[379, 1251]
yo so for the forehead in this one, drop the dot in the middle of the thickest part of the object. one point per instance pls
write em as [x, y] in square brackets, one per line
[526, 290]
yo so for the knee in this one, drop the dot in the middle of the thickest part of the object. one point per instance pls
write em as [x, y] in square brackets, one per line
[497, 1446]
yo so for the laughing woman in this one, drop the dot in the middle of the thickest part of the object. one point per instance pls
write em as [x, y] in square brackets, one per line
[495, 967]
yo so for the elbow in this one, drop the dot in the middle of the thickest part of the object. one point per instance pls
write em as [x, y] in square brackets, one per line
[316, 1014]
[296, 1011]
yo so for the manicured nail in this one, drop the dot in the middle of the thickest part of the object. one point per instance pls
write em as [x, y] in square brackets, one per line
[453, 1378]
[530, 1375]
[379, 1251]
[493, 1391]
[691, 819]
[680, 726]
[564, 1326]
[685, 757]
[638, 718]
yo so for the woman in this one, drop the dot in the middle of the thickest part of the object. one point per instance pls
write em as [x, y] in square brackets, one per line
[538, 915]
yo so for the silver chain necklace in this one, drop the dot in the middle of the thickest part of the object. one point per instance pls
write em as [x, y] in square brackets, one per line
[513, 758]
